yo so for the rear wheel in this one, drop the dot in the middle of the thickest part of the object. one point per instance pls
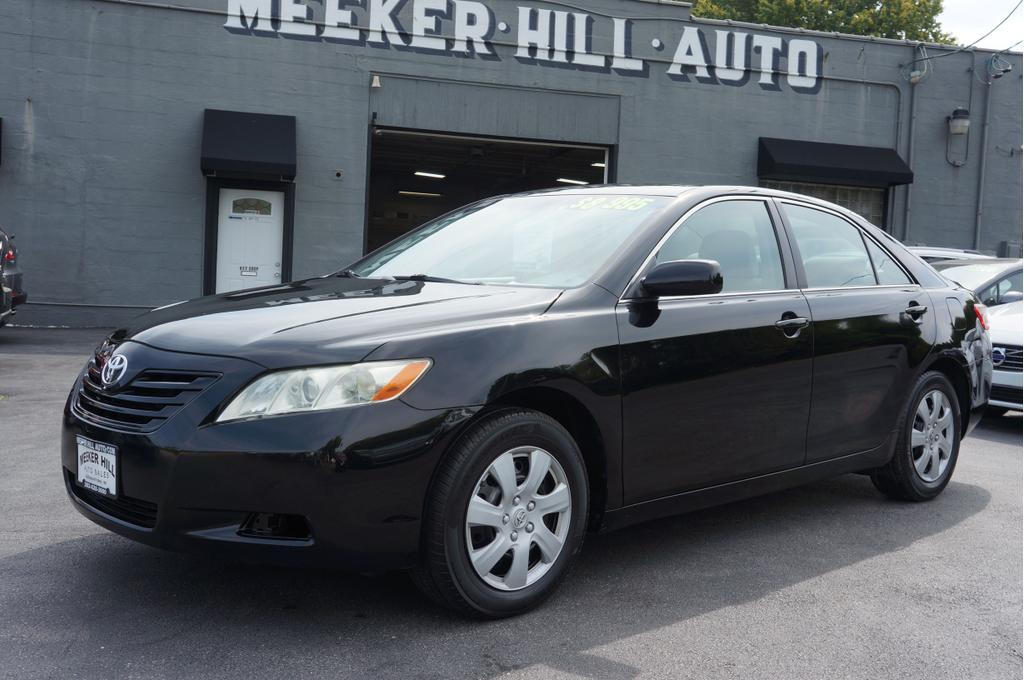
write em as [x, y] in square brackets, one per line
[505, 517]
[928, 443]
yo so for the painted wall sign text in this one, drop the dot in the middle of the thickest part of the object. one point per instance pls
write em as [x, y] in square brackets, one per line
[538, 36]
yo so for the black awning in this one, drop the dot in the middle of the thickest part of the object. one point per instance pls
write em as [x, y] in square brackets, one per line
[249, 145]
[862, 166]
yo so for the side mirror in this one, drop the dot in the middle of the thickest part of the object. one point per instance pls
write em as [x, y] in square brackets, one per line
[683, 277]
[1011, 296]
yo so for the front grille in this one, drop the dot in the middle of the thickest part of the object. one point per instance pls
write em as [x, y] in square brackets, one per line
[147, 401]
[130, 510]
[1014, 358]
[1012, 395]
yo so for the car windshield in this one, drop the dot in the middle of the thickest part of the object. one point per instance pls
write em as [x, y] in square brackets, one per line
[555, 241]
[971, 276]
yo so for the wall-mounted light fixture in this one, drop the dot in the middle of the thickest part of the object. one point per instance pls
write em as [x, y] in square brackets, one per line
[375, 82]
[959, 126]
[959, 122]
[419, 194]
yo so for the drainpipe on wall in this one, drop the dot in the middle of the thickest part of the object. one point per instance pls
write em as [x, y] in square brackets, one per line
[984, 161]
[910, 161]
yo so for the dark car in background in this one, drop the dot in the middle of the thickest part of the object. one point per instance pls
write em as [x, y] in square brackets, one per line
[12, 276]
[469, 400]
[996, 281]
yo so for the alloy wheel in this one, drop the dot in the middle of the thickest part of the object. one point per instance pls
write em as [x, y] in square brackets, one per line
[932, 436]
[517, 519]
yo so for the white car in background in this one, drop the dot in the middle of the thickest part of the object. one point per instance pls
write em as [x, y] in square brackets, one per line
[996, 281]
[1007, 333]
[930, 255]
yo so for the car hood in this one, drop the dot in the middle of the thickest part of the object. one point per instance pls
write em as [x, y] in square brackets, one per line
[1007, 324]
[326, 320]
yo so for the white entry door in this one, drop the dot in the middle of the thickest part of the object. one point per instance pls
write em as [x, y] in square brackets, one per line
[250, 233]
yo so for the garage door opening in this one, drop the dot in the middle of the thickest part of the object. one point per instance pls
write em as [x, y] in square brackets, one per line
[416, 176]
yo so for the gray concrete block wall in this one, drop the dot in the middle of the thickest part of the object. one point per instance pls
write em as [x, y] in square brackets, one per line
[102, 120]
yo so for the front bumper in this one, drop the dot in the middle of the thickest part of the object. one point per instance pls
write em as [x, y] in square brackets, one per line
[1007, 390]
[357, 476]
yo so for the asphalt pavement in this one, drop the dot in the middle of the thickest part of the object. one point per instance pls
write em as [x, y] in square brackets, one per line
[826, 581]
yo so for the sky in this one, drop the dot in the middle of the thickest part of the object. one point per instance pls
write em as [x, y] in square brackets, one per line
[968, 20]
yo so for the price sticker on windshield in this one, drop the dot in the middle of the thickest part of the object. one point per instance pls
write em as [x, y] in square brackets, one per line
[627, 203]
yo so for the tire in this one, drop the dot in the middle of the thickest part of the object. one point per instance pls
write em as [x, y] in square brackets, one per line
[928, 444]
[505, 442]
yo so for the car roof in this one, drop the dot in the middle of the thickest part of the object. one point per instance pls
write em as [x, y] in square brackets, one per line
[609, 189]
[977, 262]
[700, 192]
[675, 191]
[943, 250]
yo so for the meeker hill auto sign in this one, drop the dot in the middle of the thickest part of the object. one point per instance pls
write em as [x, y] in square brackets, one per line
[467, 28]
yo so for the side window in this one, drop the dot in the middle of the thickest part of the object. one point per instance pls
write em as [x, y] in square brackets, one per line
[739, 236]
[993, 295]
[832, 249]
[886, 269]
[989, 296]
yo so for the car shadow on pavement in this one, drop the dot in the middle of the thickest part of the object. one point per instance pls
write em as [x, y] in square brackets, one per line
[103, 606]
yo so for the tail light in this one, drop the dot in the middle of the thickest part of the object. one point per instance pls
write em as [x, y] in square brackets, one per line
[9, 256]
[981, 311]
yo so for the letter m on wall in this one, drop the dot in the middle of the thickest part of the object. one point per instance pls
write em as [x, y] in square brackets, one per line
[250, 16]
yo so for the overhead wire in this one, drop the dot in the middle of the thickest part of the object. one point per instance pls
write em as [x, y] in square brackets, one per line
[967, 47]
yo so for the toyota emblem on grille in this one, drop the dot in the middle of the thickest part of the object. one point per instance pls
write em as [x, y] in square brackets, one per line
[998, 356]
[114, 369]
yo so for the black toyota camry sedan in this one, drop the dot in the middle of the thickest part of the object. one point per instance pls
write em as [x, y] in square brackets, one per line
[470, 400]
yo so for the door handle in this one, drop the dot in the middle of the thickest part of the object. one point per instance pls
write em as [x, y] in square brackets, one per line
[791, 325]
[915, 312]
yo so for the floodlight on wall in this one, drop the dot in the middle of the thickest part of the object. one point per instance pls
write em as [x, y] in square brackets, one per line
[375, 82]
[959, 122]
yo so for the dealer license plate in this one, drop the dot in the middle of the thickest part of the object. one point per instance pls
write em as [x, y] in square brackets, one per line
[97, 466]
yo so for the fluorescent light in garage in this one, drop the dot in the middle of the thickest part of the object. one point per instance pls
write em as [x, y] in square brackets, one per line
[431, 175]
[419, 194]
[578, 182]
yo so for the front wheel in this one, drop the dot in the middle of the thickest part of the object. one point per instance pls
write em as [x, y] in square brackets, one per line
[928, 443]
[506, 516]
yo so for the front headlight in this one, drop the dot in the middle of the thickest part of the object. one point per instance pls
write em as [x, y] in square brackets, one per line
[319, 389]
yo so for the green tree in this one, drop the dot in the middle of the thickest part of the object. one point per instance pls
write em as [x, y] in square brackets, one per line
[900, 19]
